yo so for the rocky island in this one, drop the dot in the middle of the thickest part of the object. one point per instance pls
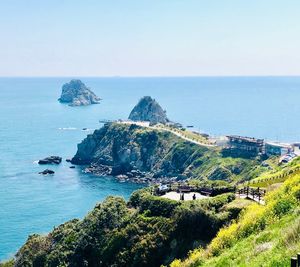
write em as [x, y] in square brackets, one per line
[148, 109]
[75, 93]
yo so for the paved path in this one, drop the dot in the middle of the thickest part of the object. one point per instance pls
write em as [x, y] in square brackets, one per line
[181, 135]
[187, 196]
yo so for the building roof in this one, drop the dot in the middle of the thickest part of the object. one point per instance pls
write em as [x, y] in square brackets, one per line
[280, 145]
[245, 138]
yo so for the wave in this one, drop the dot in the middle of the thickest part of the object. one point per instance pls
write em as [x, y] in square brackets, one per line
[67, 128]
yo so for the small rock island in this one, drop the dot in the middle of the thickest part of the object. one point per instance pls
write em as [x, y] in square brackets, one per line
[148, 109]
[50, 160]
[75, 93]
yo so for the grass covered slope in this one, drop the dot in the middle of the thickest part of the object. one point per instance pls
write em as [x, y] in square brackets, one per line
[146, 231]
[263, 235]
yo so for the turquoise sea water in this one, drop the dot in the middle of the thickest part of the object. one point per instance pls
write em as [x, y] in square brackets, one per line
[33, 125]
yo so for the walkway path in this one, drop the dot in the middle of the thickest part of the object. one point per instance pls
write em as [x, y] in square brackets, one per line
[181, 135]
[255, 194]
[255, 198]
[167, 129]
[187, 196]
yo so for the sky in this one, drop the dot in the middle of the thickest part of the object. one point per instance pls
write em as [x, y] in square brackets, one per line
[149, 37]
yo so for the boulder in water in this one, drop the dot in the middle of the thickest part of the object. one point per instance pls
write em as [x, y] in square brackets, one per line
[47, 171]
[50, 160]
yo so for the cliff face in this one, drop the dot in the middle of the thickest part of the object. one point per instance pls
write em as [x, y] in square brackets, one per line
[133, 151]
[125, 148]
[77, 94]
[148, 109]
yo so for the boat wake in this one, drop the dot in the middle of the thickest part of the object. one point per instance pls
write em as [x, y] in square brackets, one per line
[67, 128]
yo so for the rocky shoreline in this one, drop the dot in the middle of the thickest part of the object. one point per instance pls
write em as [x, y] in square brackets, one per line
[135, 176]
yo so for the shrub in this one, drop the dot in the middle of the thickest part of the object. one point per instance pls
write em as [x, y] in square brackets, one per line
[282, 206]
[158, 206]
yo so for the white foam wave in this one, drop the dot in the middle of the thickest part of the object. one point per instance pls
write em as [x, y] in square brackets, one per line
[67, 128]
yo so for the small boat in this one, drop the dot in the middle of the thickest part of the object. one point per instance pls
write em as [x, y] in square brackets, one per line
[189, 126]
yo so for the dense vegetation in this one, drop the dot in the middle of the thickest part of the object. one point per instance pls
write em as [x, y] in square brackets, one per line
[263, 235]
[146, 231]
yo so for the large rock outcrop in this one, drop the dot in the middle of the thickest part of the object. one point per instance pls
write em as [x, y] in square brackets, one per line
[75, 93]
[117, 149]
[148, 109]
[132, 151]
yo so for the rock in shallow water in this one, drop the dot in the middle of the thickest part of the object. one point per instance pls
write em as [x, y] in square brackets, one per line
[47, 171]
[50, 160]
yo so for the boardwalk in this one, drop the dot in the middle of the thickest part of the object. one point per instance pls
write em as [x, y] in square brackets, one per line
[255, 198]
[254, 194]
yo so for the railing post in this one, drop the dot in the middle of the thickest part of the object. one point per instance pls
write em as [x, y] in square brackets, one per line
[294, 262]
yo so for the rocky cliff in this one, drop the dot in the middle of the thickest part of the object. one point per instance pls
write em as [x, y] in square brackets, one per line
[146, 154]
[75, 93]
[148, 109]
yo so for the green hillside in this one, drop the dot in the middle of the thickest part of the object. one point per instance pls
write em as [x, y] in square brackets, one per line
[146, 231]
[262, 236]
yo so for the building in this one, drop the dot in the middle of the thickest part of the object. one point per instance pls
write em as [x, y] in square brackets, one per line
[244, 146]
[278, 149]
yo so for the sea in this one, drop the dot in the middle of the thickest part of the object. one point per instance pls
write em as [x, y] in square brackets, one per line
[34, 125]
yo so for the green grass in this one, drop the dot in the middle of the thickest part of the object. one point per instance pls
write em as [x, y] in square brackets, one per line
[280, 176]
[188, 134]
[272, 247]
[263, 235]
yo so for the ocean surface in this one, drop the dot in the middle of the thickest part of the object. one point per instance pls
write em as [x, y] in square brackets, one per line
[33, 125]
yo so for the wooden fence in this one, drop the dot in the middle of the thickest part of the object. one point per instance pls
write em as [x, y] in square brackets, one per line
[275, 177]
[253, 193]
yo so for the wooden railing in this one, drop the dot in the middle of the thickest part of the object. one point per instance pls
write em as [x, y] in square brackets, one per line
[275, 177]
[252, 193]
[208, 191]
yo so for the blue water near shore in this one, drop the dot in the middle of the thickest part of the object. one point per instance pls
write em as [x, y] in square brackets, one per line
[34, 125]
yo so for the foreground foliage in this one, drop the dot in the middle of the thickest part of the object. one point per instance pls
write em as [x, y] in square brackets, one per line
[262, 236]
[146, 231]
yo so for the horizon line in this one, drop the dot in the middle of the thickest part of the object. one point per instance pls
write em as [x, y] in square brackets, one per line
[157, 76]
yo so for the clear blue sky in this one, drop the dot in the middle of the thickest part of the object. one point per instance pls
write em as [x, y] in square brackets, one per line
[149, 37]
